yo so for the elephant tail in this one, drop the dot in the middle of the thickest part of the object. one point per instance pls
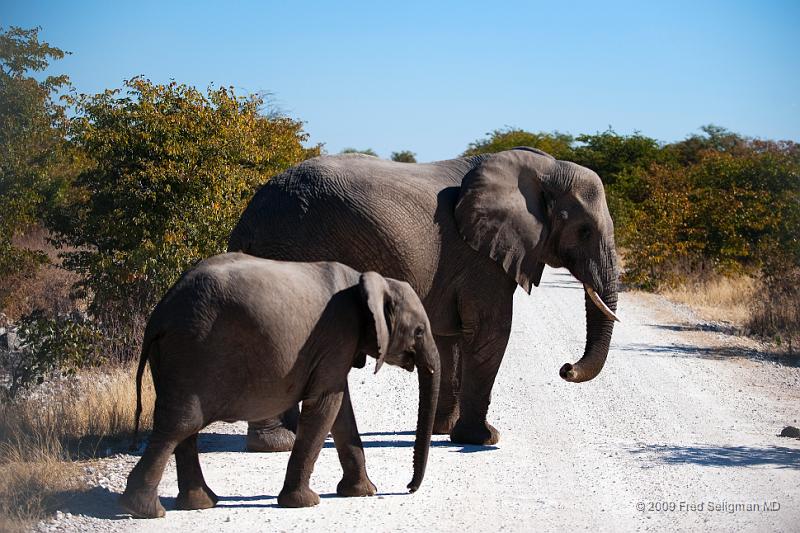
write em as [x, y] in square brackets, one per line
[143, 358]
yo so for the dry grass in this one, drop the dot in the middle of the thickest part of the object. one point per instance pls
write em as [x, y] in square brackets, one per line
[29, 489]
[776, 314]
[718, 299]
[43, 436]
[752, 306]
[47, 288]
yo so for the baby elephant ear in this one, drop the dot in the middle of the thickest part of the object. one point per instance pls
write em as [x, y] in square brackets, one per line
[375, 290]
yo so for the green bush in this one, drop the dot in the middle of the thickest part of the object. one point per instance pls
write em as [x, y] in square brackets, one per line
[33, 152]
[58, 344]
[559, 145]
[714, 203]
[171, 169]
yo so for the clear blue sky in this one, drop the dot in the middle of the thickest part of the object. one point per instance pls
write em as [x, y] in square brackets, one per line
[432, 76]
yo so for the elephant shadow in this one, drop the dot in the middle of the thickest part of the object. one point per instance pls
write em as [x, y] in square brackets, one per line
[271, 502]
[101, 503]
[215, 442]
[397, 443]
[97, 502]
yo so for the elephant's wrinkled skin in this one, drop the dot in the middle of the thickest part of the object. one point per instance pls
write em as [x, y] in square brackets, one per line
[463, 233]
[243, 338]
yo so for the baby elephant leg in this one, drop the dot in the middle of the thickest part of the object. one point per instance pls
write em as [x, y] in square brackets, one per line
[193, 493]
[316, 419]
[141, 492]
[351, 453]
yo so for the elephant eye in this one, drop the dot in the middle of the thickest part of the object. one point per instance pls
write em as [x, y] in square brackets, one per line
[419, 332]
[584, 233]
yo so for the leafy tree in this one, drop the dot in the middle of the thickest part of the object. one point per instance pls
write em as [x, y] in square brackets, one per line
[559, 145]
[172, 168]
[736, 208]
[404, 156]
[366, 151]
[713, 138]
[33, 154]
[610, 154]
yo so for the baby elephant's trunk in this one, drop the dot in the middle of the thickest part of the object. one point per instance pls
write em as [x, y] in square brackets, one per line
[428, 369]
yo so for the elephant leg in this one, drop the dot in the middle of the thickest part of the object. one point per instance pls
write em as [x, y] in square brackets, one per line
[447, 409]
[351, 453]
[315, 423]
[141, 492]
[273, 434]
[193, 493]
[482, 348]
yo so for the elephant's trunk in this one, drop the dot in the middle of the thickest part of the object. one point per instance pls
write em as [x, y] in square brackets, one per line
[600, 319]
[429, 370]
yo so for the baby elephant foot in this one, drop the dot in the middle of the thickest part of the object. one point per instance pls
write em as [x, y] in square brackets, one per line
[270, 440]
[142, 503]
[481, 433]
[359, 487]
[302, 497]
[196, 498]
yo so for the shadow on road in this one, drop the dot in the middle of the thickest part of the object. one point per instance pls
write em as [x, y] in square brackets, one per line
[232, 502]
[386, 433]
[460, 448]
[97, 502]
[234, 442]
[714, 352]
[102, 503]
[725, 456]
[220, 442]
[699, 326]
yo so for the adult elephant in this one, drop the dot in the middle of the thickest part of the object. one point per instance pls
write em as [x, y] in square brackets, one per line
[463, 233]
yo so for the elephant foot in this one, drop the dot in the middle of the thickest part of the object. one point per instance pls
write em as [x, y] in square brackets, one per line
[196, 498]
[445, 422]
[481, 433]
[270, 440]
[360, 487]
[302, 497]
[142, 503]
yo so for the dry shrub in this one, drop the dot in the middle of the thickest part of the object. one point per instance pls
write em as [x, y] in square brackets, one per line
[43, 435]
[776, 312]
[718, 298]
[767, 308]
[29, 489]
[48, 288]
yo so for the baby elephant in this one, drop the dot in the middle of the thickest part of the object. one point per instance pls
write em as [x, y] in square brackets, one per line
[243, 338]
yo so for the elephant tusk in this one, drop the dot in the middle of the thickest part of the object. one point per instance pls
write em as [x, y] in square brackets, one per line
[600, 303]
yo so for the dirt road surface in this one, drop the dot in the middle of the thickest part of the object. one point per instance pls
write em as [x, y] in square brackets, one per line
[679, 432]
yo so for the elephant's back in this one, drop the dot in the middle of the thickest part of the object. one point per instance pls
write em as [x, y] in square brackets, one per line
[359, 210]
[249, 305]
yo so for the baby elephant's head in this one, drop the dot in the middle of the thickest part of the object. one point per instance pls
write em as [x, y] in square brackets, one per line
[402, 331]
[403, 338]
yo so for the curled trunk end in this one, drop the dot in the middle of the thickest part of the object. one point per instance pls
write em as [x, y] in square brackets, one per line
[599, 326]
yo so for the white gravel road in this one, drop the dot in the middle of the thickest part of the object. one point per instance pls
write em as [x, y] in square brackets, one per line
[679, 432]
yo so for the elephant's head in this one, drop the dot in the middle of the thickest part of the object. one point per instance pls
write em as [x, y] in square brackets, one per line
[525, 209]
[402, 337]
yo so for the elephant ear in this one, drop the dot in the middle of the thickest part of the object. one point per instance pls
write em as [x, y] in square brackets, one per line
[375, 292]
[502, 213]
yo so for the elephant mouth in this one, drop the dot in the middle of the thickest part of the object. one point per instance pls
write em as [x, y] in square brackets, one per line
[408, 361]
